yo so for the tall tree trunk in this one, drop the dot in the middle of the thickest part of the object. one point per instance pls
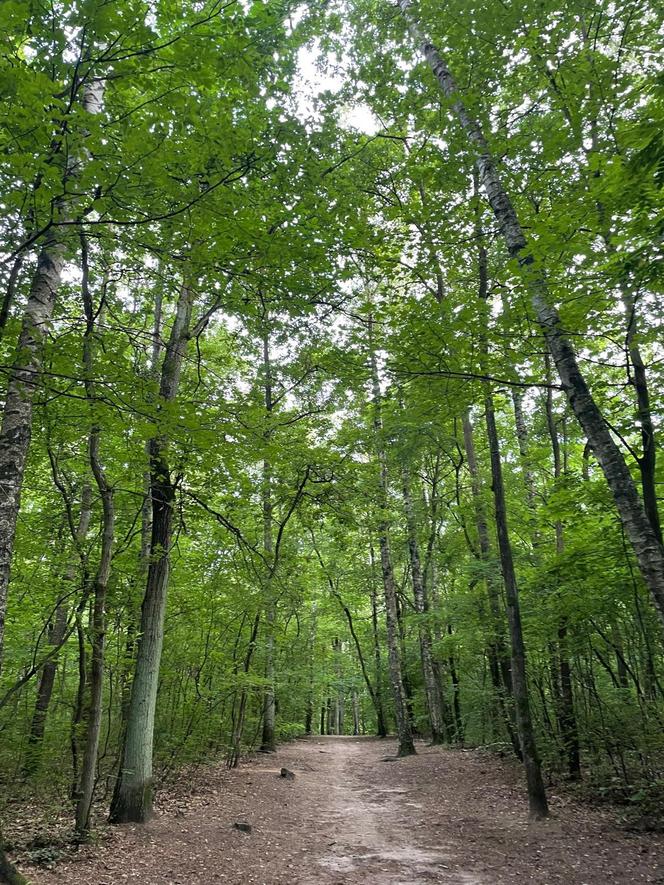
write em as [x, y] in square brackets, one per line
[459, 736]
[26, 369]
[500, 667]
[98, 630]
[233, 758]
[16, 428]
[356, 713]
[98, 623]
[268, 741]
[636, 368]
[24, 379]
[536, 794]
[432, 687]
[311, 648]
[404, 732]
[522, 438]
[381, 722]
[133, 794]
[638, 529]
[638, 379]
[565, 700]
[139, 583]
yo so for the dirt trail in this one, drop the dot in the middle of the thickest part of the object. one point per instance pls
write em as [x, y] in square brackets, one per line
[448, 816]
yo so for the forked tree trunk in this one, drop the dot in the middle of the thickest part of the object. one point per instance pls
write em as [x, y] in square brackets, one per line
[432, 687]
[638, 529]
[133, 794]
[404, 732]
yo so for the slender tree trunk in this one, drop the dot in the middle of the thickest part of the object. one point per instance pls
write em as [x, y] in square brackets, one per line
[133, 794]
[238, 728]
[638, 379]
[309, 716]
[98, 630]
[500, 666]
[522, 438]
[459, 736]
[638, 529]
[56, 635]
[381, 723]
[565, 700]
[432, 687]
[536, 794]
[404, 732]
[98, 623]
[79, 704]
[356, 713]
[268, 741]
[138, 585]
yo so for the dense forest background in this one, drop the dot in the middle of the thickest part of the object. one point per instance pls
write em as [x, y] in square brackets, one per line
[332, 387]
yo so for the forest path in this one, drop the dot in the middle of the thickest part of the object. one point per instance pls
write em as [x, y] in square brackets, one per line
[449, 816]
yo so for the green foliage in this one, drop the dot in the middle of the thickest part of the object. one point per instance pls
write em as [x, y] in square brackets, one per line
[299, 235]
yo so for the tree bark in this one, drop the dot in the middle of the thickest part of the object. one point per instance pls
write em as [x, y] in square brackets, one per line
[98, 623]
[638, 529]
[25, 373]
[536, 793]
[381, 722]
[233, 758]
[404, 732]
[500, 667]
[268, 741]
[565, 701]
[133, 794]
[432, 687]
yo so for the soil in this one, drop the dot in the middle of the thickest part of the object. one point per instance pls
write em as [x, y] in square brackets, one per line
[352, 815]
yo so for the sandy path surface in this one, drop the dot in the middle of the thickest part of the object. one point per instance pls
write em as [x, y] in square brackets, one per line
[449, 816]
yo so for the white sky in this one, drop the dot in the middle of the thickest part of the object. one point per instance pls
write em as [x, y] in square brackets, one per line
[311, 82]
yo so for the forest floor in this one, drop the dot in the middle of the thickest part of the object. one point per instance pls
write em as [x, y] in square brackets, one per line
[351, 816]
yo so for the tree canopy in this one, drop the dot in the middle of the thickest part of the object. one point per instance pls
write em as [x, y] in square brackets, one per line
[332, 372]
